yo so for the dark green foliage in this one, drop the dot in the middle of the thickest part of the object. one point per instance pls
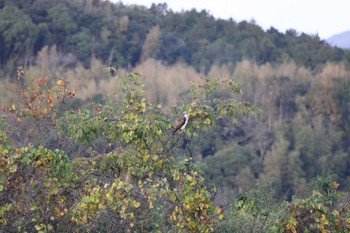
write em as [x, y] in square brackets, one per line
[254, 211]
[224, 166]
[115, 33]
[258, 211]
[18, 35]
[172, 49]
[341, 96]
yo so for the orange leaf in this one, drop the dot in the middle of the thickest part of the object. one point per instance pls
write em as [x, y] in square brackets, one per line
[218, 209]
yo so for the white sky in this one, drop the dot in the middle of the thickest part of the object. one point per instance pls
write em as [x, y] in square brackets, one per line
[322, 17]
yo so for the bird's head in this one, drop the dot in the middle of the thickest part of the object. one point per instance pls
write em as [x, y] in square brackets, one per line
[185, 114]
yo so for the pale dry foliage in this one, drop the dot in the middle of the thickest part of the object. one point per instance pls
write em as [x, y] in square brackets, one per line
[225, 70]
[331, 71]
[89, 82]
[7, 92]
[259, 83]
[122, 24]
[151, 43]
[165, 84]
[244, 180]
[105, 33]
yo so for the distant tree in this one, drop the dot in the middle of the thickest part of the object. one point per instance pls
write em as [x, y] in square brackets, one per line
[340, 93]
[81, 45]
[283, 167]
[150, 47]
[172, 49]
[18, 35]
[62, 25]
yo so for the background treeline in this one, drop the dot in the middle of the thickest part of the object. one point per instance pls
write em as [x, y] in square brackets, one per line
[300, 82]
[127, 35]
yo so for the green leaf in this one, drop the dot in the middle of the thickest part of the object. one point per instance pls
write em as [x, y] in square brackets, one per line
[173, 197]
[207, 121]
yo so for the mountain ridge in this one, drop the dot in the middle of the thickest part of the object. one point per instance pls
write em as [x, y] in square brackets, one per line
[341, 40]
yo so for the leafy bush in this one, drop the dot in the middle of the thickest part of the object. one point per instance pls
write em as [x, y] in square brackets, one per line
[319, 212]
[130, 178]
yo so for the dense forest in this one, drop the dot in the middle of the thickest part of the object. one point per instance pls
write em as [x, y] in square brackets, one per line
[127, 35]
[90, 90]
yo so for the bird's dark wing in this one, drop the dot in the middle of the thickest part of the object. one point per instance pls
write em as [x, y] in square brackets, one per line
[180, 119]
[181, 122]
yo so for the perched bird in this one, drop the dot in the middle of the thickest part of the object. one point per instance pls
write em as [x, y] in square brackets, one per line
[182, 123]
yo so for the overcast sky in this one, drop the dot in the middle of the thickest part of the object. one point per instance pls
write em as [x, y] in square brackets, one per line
[322, 17]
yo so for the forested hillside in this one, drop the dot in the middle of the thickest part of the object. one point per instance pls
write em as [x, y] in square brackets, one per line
[127, 35]
[90, 90]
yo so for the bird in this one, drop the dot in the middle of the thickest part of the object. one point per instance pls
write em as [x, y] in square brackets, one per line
[182, 123]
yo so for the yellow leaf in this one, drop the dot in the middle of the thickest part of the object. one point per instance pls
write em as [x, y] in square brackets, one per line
[176, 175]
[61, 199]
[60, 83]
[207, 121]
[192, 224]
[146, 156]
[319, 206]
[335, 185]
[173, 197]
[173, 216]
[204, 212]
[84, 218]
[136, 204]
[221, 216]
[324, 220]
[197, 125]
[335, 212]
[189, 178]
